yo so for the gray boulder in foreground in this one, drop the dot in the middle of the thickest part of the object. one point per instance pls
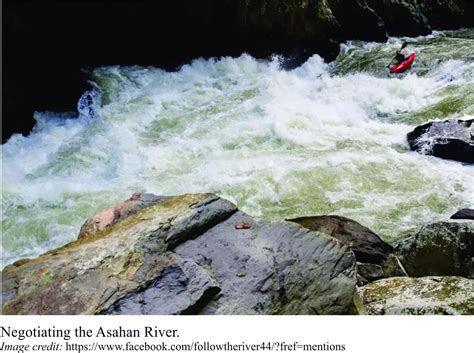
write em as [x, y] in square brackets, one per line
[439, 249]
[184, 255]
[419, 296]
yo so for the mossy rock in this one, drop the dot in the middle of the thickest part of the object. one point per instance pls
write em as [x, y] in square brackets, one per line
[419, 296]
[186, 255]
[439, 249]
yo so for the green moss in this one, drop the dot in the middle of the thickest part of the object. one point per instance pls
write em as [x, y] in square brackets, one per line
[46, 277]
[448, 290]
[172, 206]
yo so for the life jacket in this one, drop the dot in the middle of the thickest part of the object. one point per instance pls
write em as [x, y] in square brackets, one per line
[400, 57]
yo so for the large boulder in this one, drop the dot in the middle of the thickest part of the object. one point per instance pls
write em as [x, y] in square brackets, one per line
[439, 249]
[187, 254]
[367, 246]
[449, 139]
[419, 296]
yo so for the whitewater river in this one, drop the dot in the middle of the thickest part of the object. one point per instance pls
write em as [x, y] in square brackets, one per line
[319, 139]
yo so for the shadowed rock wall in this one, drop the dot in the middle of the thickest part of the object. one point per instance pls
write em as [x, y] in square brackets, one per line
[47, 42]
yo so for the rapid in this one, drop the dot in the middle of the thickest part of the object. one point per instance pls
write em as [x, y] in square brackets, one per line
[323, 138]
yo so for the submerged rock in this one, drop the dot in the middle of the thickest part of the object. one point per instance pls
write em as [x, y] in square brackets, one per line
[440, 249]
[449, 139]
[183, 255]
[465, 213]
[367, 246]
[419, 296]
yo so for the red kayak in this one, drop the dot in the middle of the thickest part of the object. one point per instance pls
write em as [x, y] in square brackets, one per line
[403, 66]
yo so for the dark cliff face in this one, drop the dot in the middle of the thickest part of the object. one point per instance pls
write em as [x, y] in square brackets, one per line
[48, 42]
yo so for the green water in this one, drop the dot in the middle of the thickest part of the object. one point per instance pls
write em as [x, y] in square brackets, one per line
[320, 139]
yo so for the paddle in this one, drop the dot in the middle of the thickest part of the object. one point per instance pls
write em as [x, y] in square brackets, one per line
[402, 47]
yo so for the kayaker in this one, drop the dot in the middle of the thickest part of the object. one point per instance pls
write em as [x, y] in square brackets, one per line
[400, 55]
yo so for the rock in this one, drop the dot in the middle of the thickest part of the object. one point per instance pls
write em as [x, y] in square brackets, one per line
[367, 246]
[439, 249]
[211, 211]
[183, 255]
[361, 281]
[419, 296]
[392, 267]
[465, 213]
[182, 288]
[89, 275]
[274, 268]
[448, 14]
[358, 20]
[401, 17]
[370, 272]
[108, 217]
[449, 139]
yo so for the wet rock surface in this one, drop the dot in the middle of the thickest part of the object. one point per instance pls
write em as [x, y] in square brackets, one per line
[449, 139]
[419, 296]
[274, 268]
[439, 249]
[184, 255]
[367, 246]
[182, 288]
[465, 213]
[108, 217]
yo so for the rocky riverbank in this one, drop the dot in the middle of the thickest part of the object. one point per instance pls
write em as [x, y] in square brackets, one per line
[43, 70]
[199, 254]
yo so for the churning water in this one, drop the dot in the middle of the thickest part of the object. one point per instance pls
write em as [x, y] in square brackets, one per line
[319, 139]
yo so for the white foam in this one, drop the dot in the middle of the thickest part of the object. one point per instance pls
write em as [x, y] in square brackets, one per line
[279, 143]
